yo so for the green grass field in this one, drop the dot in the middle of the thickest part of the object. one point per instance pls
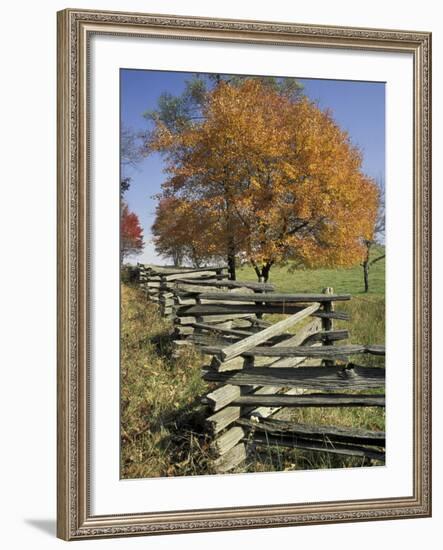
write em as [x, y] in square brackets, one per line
[161, 415]
[349, 281]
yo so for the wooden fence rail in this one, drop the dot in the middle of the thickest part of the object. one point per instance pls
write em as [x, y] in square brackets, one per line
[256, 368]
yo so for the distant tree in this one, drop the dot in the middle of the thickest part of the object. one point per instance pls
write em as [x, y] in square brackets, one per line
[124, 185]
[376, 238]
[166, 232]
[131, 233]
[179, 229]
[130, 155]
[271, 174]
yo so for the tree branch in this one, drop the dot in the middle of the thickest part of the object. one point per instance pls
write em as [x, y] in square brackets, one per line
[295, 229]
[377, 259]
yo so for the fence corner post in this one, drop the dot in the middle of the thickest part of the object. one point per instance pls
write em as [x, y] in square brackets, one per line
[327, 323]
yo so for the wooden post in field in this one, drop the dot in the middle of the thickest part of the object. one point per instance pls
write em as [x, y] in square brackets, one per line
[328, 324]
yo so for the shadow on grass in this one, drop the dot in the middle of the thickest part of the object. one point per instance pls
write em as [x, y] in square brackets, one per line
[276, 458]
[162, 343]
[187, 442]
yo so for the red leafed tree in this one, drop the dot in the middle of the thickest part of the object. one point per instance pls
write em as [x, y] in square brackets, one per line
[131, 233]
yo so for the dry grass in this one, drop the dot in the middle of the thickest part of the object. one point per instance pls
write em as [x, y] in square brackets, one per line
[161, 416]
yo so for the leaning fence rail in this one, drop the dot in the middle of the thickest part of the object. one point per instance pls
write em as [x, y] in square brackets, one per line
[257, 368]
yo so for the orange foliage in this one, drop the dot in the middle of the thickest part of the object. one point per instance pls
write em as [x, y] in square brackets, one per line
[276, 176]
[178, 230]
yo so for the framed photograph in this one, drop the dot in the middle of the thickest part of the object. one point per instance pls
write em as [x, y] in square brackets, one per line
[243, 274]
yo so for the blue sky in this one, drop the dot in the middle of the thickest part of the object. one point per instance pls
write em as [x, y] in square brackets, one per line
[357, 107]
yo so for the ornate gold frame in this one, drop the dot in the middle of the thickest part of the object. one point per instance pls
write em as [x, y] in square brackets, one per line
[74, 29]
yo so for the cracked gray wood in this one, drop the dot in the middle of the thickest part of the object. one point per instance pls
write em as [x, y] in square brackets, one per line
[327, 433]
[208, 309]
[308, 400]
[296, 351]
[275, 329]
[276, 297]
[326, 378]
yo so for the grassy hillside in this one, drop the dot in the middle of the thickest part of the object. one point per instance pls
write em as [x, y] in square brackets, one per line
[348, 281]
[161, 415]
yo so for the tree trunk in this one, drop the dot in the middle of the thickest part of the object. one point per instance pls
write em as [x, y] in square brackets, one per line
[263, 272]
[365, 264]
[231, 249]
[177, 258]
[257, 272]
[366, 275]
[231, 265]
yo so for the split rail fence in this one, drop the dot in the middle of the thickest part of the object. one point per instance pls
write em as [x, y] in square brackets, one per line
[257, 367]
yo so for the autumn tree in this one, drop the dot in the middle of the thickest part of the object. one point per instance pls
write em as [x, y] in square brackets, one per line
[166, 231]
[178, 114]
[374, 238]
[273, 174]
[131, 233]
[178, 232]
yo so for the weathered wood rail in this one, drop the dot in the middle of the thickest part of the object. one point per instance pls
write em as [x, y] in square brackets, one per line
[312, 400]
[318, 377]
[257, 368]
[159, 283]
